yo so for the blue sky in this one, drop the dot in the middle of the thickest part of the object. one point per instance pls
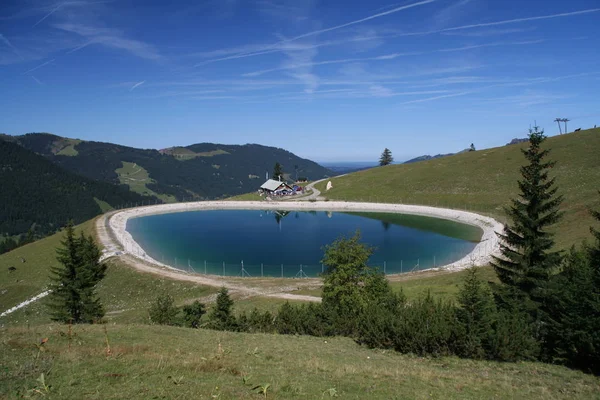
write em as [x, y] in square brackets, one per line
[329, 80]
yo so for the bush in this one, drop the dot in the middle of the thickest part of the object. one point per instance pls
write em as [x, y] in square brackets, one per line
[304, 319]
[192, 314]
[512, 338]
[424, 327]
[163, 310]
[256, 321]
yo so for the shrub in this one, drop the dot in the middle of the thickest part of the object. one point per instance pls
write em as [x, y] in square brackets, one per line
[426, 327]
[192, 314]
[163, 310]
[256, 321]
[512, 338]
[303, 319]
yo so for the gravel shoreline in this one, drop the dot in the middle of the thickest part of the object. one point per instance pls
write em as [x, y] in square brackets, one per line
[481, 254]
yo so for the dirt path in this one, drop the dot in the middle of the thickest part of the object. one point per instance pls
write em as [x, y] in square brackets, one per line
[316, 194]
[113, 249]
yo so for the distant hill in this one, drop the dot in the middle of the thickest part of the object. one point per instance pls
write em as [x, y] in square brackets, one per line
[484, 181]
[349, 166]
[199, 171]
[37, 194]
[517, 141]
[428, 157]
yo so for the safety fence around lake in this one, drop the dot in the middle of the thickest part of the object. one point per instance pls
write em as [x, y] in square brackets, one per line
[254, 270]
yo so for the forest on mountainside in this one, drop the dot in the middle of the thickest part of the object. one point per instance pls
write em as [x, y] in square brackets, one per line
[37, 195]
[208, 170]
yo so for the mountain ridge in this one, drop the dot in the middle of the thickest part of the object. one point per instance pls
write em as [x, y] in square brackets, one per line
[199, 171]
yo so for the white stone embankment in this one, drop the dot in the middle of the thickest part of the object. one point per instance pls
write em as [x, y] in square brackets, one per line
[481, 254]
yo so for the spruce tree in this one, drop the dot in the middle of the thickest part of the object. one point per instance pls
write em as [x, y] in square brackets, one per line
[386, 157]
[527, 260]
[477, 313]
[73, 295]
[277, 171]
[221, 316]
[574, 309]
[594, 249]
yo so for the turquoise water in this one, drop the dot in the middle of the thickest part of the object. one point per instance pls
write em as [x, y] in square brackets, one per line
[290, 243]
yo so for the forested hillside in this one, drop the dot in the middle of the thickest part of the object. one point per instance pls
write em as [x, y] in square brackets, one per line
[200, 171]
[37, 194]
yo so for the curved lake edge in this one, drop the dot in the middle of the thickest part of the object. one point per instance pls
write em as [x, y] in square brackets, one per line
[481, 254]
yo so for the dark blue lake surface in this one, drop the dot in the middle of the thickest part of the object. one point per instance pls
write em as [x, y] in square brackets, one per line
[290, 243]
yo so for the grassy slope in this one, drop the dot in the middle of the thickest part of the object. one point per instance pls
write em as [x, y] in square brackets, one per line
[443, 285]
[182, 153]
[145, 361]
[125, 293]
[66, 147]
[31, 277]
[104, 206]
[143, 364]
[485, 181]
[136, 178]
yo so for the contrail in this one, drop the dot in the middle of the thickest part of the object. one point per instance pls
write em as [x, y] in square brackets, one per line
[136, 85]
[37, 80]
[266, 49]
[514, 21]
[39, 66]
[269, 49]
[47, 15]
[358, 21]
[391, 56]
[7, 42]
[79, 47]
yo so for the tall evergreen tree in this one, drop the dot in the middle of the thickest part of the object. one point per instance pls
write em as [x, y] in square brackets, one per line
[477, 313]
[221, 316]
[527, 260]
[277, 171]
[73, 295]
[594, 249]
[386, 157]
[574, 309]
